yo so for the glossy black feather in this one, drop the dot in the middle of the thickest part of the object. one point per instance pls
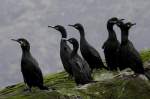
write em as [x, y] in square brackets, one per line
[80, 68]
[111, 46]
[128, 55]
[65, 50]
[30, 69]
[89, 53]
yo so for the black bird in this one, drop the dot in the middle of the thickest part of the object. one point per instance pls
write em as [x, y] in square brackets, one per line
[30, 69]
[89, 53]
[128, 55]
[81, 69]
[65, 50]
[111, 45]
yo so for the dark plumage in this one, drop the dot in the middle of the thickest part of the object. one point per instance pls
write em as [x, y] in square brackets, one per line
[30, 69]
[81, 69]
[89, 53]
[65, 50]
[111, 45]
[128, 55]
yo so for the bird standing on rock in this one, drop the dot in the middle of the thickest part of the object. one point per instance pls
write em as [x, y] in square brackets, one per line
[111, 45]
[65, 50]
[80, 68]
[129, 57]
[30, 69]
[89, 53]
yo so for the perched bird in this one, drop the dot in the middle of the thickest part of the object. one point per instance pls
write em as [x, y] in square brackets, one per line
[128, 55]
[30, 69]
[89, 53]
[65, 50]
[111, 45]
[81, 70]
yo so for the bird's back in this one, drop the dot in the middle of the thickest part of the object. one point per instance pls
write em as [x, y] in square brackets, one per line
[81, 70]
[90, 54]
[31, 72]
[111, 48]
[131, 58]
[65, 52]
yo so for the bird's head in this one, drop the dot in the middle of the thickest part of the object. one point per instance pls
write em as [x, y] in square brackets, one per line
[128, 25]
[114, 20]
[125, 26]
[58, 28]
[120, 24]
[77, 26]
[61, 29]
[73, 41]
[23, 43]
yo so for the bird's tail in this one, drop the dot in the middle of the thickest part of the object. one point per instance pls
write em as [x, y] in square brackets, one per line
[43, 87]
[105, 67]
[93, 81]
[147, 72]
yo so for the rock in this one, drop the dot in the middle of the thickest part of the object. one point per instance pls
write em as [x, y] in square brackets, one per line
[109, 85]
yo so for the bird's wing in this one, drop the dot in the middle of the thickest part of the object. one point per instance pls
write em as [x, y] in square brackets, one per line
[31, 70]
[135, 57]
[94, 52]
[103, 46]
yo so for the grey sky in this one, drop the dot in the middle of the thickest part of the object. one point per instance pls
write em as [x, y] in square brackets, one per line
[30, 18]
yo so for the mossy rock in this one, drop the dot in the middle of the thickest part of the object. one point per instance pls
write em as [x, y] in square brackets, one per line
[108, 86]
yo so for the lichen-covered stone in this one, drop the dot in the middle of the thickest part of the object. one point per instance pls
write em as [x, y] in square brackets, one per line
[109, 85]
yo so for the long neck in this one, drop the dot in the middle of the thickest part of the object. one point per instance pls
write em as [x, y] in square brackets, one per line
[63, 33]
[124, 36]
[112, 34]
[75, 50]
[82, 34]
[25, 50]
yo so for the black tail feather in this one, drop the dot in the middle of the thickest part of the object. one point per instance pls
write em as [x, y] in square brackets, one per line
[147, 72]
[43, 88]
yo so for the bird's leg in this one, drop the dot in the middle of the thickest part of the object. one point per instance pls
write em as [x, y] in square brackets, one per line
[135, 75]
[26, 88]
[70, 77]
[30, 89]
[52, 88]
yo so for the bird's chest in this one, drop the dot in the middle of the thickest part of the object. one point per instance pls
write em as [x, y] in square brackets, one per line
[111, 45]
[64, 51]
[84, 48]
[125, 52]
[26, 63]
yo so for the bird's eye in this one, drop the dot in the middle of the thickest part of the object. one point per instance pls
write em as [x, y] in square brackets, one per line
[21, 42]
[76, 26]
[56, 28]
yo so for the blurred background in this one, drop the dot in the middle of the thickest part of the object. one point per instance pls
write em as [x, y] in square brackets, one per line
[29, 19]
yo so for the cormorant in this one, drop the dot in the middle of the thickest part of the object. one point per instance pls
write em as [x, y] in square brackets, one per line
[89, 53]
[30, 69]
[81, 70]
[128, 55]
[111, 45]
[65, 50]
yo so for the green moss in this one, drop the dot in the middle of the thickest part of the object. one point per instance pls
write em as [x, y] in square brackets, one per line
[107, 87]
[145, 54]
[113, 88]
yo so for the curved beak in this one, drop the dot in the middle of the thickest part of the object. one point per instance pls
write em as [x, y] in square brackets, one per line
[14, 40]
[67, 40]
[70, 25]
[50, 26]
[121, 19]
[133, 24]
